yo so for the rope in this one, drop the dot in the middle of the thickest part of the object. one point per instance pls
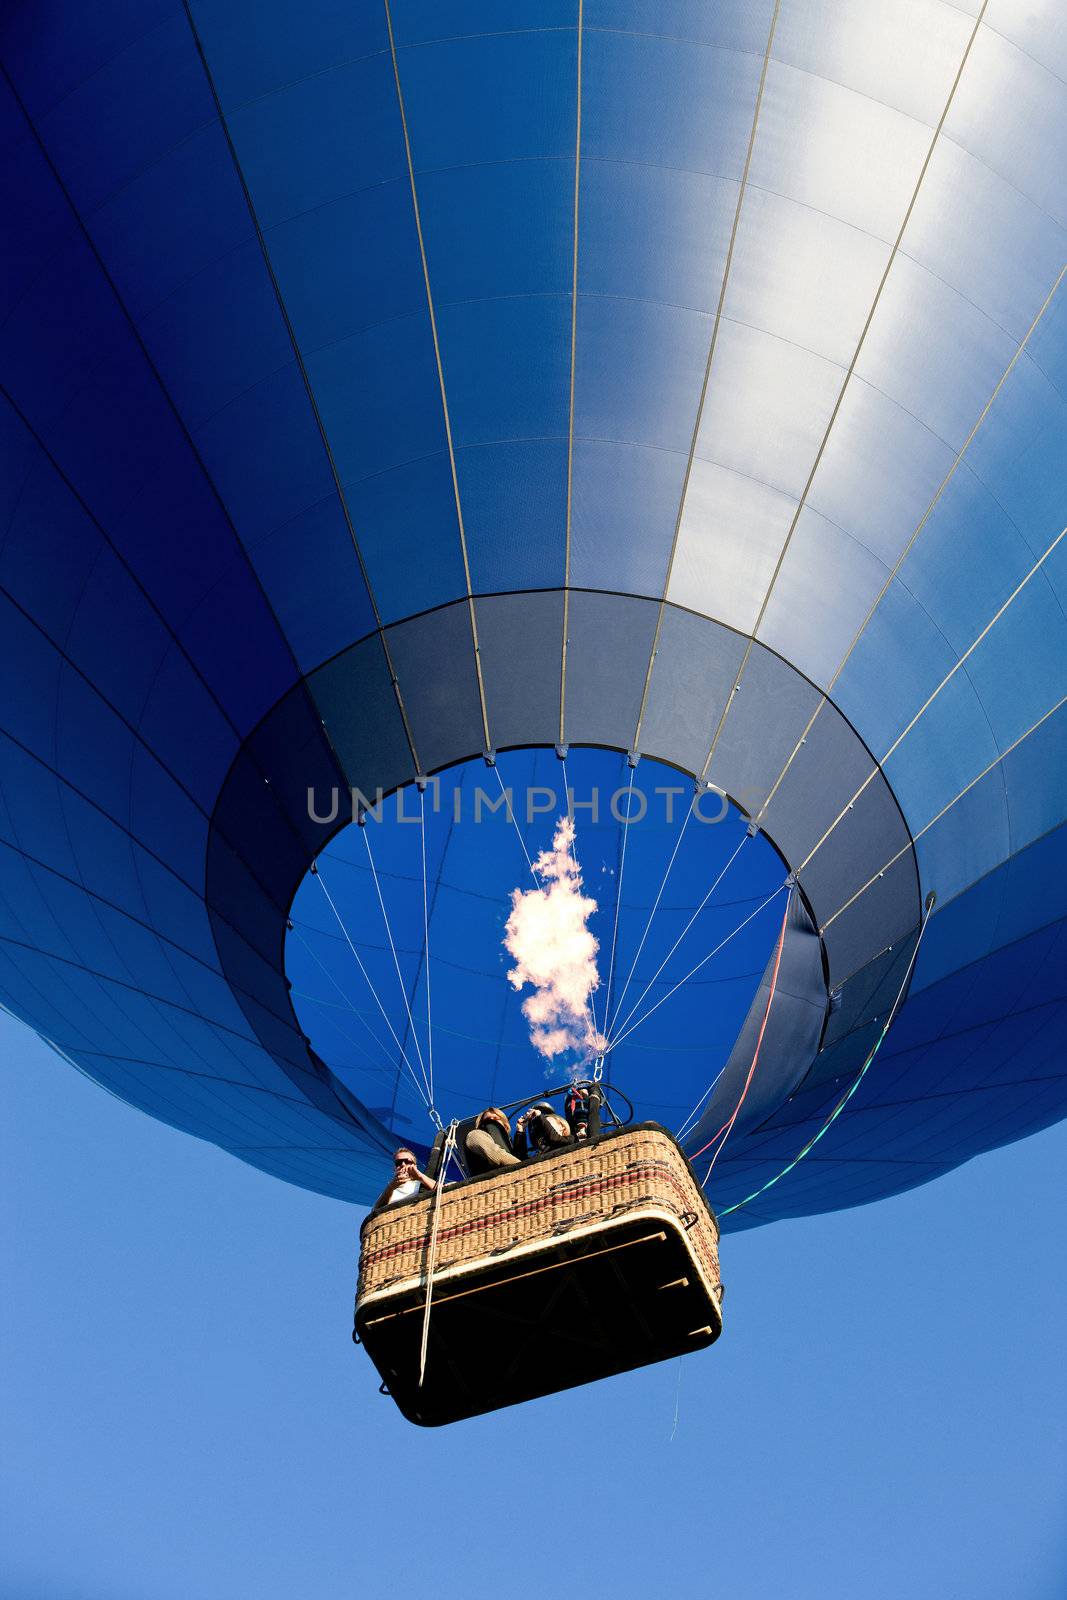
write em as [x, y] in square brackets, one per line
[727, 1126]
[928, 702]
[518, 830]
[618, 900]
[426, 940]
[850, 1091]
[589, 1006]
[399, 975]
[846, 382]
[377, 1000]
[383, 1048]
[685, 930]
[677, 1401]
[616, 1042]
[346, 1005]
[655, 906]
[431, 1255]
[691, 1118]
[906, 551]
[695, 1112]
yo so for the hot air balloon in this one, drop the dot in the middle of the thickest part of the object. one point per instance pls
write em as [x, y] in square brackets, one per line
[403, 401]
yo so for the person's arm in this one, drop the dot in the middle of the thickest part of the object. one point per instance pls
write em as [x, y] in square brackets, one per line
[427, 1183]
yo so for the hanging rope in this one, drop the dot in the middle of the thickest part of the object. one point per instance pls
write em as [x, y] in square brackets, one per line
[426, 940]
[423, 1094]
[850, 1091]
[384, 1053]
[431, 1254]
[655, 908]
[618, 900]
[906, 550]
[685, 930]
[677, 1402]
[589, 1005]
[383, 1048]
[698, 1107]
[957, 666]
[620, 1038]
[727, 1126]
[686, 1126]
[515, 825]
[399, 975]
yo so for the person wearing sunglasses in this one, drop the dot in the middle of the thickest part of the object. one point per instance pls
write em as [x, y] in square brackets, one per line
[406, 1182]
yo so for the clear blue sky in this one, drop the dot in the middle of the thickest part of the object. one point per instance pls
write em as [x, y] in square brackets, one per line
[185, 1417]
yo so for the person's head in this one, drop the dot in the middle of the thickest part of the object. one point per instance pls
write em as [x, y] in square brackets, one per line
[542, 1106]
[404, 1158]
[493, 1114]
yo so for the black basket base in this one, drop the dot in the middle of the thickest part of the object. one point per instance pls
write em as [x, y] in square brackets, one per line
[571, 1311]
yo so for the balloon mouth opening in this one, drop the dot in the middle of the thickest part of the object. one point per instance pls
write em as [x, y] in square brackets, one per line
[492, 927]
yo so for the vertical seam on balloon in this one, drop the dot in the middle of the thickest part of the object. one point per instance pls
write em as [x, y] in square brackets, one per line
[213, 487]
[440, 379]
[200, 463]
[717, 322]
[134, 731]
[197, 457]
[928, 702]
[574, 352]
[1002, 756]
[801, 503]
[305, 377]
[826, 693]
[194, 451]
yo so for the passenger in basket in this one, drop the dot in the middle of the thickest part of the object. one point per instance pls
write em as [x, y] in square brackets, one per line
[406, 1181]
[582, 1106]
[488, 1144]
[542, 1128]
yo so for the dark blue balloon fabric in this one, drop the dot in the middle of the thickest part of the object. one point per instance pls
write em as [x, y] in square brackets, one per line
[386, 385]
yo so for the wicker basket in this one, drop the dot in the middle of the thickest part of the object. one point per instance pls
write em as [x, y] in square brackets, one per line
[579, 1213]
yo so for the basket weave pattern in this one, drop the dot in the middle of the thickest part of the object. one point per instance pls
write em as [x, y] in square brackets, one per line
[582, 1185]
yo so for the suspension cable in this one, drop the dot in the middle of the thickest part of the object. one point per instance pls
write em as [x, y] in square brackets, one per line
[655, 908]
[928, 702]
[515, 824]
[699, 1106]
[383, 1048]
[685, 930]
[618, 900]
[857, 1080]
[426, 940]
[589, 1003]
[727, 1127]
[431, 1253]
[913, 841]
[377, 999]
[906, 551]
[616, 1042]
[804, 498]
[399, 974]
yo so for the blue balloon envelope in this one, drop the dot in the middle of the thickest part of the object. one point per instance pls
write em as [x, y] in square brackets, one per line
[383, 387]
